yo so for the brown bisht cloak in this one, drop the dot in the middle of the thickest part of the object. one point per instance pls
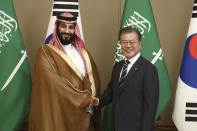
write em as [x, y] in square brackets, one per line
[61, 95]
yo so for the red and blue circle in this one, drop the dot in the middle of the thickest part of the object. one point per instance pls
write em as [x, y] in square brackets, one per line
[188, 72]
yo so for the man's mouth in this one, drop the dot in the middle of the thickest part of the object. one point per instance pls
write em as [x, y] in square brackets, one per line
[128, 50]
[65, 35]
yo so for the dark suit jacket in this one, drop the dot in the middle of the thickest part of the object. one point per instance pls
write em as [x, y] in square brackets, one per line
[134, 104]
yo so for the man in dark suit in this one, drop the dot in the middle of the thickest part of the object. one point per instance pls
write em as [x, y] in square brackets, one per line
[133, 88]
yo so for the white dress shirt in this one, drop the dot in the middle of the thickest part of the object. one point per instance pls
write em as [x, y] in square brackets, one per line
[132, 61]
[75, 57]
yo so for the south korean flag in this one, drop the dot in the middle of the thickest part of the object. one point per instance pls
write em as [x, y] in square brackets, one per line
[185, 107]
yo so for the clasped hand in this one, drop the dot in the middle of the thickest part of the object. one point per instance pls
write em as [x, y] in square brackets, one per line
[94, 101]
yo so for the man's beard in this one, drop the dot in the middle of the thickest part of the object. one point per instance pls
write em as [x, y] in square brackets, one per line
[65, 41]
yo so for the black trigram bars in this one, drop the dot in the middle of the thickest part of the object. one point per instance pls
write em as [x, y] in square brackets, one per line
[192, 111]
[194, 14]
[71, 6]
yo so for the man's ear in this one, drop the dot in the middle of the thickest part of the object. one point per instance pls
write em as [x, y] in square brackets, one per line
[140, 42]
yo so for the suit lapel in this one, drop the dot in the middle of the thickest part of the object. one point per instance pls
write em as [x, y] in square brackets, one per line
[134, 69]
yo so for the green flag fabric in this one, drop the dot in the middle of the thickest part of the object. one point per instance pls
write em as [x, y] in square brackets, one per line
[138, 14]
[15, 79]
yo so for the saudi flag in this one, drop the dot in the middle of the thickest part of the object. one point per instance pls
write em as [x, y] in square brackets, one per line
[15, 80]
[138, 14]
[61, 6]
[185, 107]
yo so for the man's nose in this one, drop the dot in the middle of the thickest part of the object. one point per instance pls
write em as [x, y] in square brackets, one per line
[67, 30]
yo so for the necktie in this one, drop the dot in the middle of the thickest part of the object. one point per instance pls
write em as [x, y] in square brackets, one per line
[124, 72]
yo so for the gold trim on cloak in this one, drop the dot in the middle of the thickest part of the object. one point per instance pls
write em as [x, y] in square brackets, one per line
[68, 61]
[89, 69]
[75, 69]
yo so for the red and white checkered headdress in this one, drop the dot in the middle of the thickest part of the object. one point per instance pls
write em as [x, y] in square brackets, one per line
[68, 18]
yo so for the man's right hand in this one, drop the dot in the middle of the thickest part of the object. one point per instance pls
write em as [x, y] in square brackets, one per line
[95, 101]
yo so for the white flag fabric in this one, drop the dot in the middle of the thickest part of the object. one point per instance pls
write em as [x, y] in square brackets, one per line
[60, 6]
[185, 108]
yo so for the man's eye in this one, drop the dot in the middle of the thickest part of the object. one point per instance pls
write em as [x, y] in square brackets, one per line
[63, 26]
[71, 27]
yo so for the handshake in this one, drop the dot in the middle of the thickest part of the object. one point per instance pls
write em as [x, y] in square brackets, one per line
[94, 101]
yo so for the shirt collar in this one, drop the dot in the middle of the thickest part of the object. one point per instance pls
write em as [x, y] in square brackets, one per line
[134, 59]
[67, 46]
